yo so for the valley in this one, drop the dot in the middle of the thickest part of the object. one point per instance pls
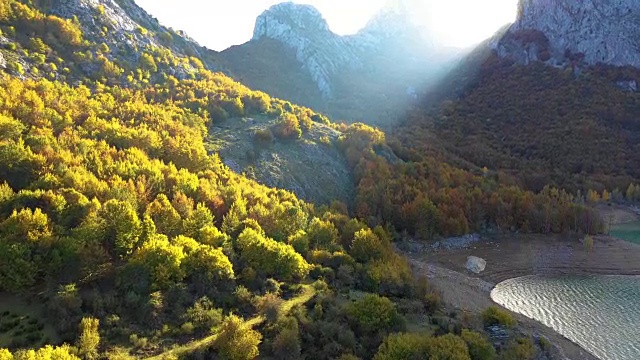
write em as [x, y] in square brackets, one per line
[307, 195]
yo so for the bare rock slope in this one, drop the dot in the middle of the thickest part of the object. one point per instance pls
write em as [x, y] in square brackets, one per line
[564, 31]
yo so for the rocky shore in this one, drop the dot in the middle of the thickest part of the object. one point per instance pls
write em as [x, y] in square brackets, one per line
[514, 255]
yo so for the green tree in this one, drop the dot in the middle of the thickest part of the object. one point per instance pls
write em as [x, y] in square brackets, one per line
[588, 243]
[66, 308]
[300, 241]
[367, 246]
[162, 261]
[26, 225]
[123, 226]
[203, 314]
[232, 220]
[270, 306]
[148, 63]
[373, 314]
[288, 127]
[403, 346]
[322, 234]
[18, 270]
[198, 219]
[270, 257]
[89, 338]
[631, 193]
[448, 347]
[47, 353]
[421, 346]
[5, 355]
[165, 216]
[236, 340]
[208, 266]
[286, 345]
[10, 128]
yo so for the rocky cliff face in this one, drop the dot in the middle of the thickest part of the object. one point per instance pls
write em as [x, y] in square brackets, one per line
[363, 76]
[564, 31]
[303, 29]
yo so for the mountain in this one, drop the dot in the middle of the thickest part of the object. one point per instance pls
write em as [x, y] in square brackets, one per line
[371, 75]
[562, 31]
[131, 226]
[123, 228]
[550, 100]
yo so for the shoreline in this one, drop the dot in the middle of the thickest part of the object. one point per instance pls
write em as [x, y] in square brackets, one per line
[512, 256]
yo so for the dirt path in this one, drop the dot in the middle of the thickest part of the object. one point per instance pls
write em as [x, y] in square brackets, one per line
[180, 351]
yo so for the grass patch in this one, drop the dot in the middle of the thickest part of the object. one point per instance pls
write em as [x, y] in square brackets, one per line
[21, 324]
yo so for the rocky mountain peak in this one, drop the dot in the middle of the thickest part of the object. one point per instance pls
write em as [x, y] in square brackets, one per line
[283, 19]
[396, 18]
[303, 29]
[566, 31]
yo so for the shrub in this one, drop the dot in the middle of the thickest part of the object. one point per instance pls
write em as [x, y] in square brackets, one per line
[166, 37]
[89, 338]
[270, 306]
[520, 349]
[288, 127]
[203, 315]
[495, 316]
[138, 342]
[373, 314]
[479, 347]
[432, 302]
[188, 328]
[264, 136]
[300, 242]
[16, 67]
[237, 341]
[421, 346]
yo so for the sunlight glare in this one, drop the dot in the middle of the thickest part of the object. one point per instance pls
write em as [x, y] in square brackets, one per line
[462, 23]
[220, 24]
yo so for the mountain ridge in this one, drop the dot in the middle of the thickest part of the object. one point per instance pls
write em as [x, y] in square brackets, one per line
[383, 62]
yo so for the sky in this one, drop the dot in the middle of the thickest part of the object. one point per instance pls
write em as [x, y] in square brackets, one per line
[219, 24]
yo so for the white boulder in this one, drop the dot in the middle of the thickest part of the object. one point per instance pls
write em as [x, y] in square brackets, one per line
[475, 264]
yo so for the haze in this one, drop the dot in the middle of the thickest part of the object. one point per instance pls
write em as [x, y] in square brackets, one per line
[221, 24]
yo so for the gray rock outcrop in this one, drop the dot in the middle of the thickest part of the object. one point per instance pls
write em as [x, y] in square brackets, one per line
[303, 29]
[3, 62]
[564, 31]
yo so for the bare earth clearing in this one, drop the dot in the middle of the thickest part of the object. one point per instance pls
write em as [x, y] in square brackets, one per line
[510, 256]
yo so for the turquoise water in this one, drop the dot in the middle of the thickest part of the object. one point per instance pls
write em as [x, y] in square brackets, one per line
[628, 231]
[600, 313]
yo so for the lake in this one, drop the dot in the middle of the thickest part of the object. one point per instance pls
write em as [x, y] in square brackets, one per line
[629, 231]
[600, 313]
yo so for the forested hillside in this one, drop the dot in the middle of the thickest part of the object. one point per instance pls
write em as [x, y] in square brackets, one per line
[122, 237]
[124, 234]
[576, 129]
